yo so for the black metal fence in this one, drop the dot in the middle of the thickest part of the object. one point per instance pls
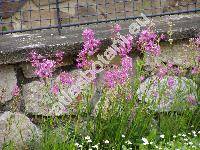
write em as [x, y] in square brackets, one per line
[28, 15]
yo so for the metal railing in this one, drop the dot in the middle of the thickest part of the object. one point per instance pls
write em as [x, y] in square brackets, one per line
[28, 15]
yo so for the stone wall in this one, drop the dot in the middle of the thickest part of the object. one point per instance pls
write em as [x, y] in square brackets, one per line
[32, 14]
[16, 70]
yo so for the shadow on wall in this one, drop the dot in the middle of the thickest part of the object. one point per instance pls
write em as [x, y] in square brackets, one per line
[29, 14]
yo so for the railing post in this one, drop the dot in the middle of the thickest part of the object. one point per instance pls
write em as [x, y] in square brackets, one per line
[58, 17]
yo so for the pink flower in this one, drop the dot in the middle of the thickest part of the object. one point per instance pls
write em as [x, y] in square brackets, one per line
[64, 109]
[192, 100]
[177, 71]
[148, 42]
[198, 59]
[142, 78]
[117, 28]
[43, 67]
[119, 76]
[129, 97]
[90, 47]
[122, 76]
[125, 48]
[16, 90]
[127, 63]
[162, 37]
[198, 41]
[35, 58]
[162, 72]
[195, 70]
[55, 89]
[170, 65]
[66, 78]
[170, 81]
[110, 78]
[155, 94]
[88, 34]
[59, 56]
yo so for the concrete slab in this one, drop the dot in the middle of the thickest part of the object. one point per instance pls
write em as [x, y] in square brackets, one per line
[15, 47]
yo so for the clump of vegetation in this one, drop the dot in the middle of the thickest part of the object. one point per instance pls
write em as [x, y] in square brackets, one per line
[124, 117]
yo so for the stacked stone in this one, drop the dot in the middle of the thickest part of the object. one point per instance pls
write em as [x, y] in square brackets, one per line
[15, 126]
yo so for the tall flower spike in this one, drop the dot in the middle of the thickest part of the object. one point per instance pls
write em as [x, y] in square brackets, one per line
[148, 42]
[119, 76]
[125, 46]
[90, 46]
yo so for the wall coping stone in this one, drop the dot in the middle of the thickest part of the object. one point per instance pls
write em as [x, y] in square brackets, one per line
[15, 47]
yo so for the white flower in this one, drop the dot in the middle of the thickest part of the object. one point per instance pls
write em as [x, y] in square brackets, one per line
[90, 149]
[185, 139]
[198, 132]
[190, 143]
[106, 142]
[194, 132]
[80, 146]
[128, 142]
[87, 138]
[162, 136]
[76, 144]
[145, 141]
[123, 136]
[183, 135]
[89, 141]
[151, 143]
[174, 136]
[95, 146]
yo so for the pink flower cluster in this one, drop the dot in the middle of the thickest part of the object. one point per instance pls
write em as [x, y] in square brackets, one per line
[198, 41]
[43, 67]
[192, 100]
[170, 82]
[90, 45]
[127, 64]
[66, 78]
[195, 70]
[125, 47]
[162, 71]
[119, 76]
[148, 42]
[59, 56]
